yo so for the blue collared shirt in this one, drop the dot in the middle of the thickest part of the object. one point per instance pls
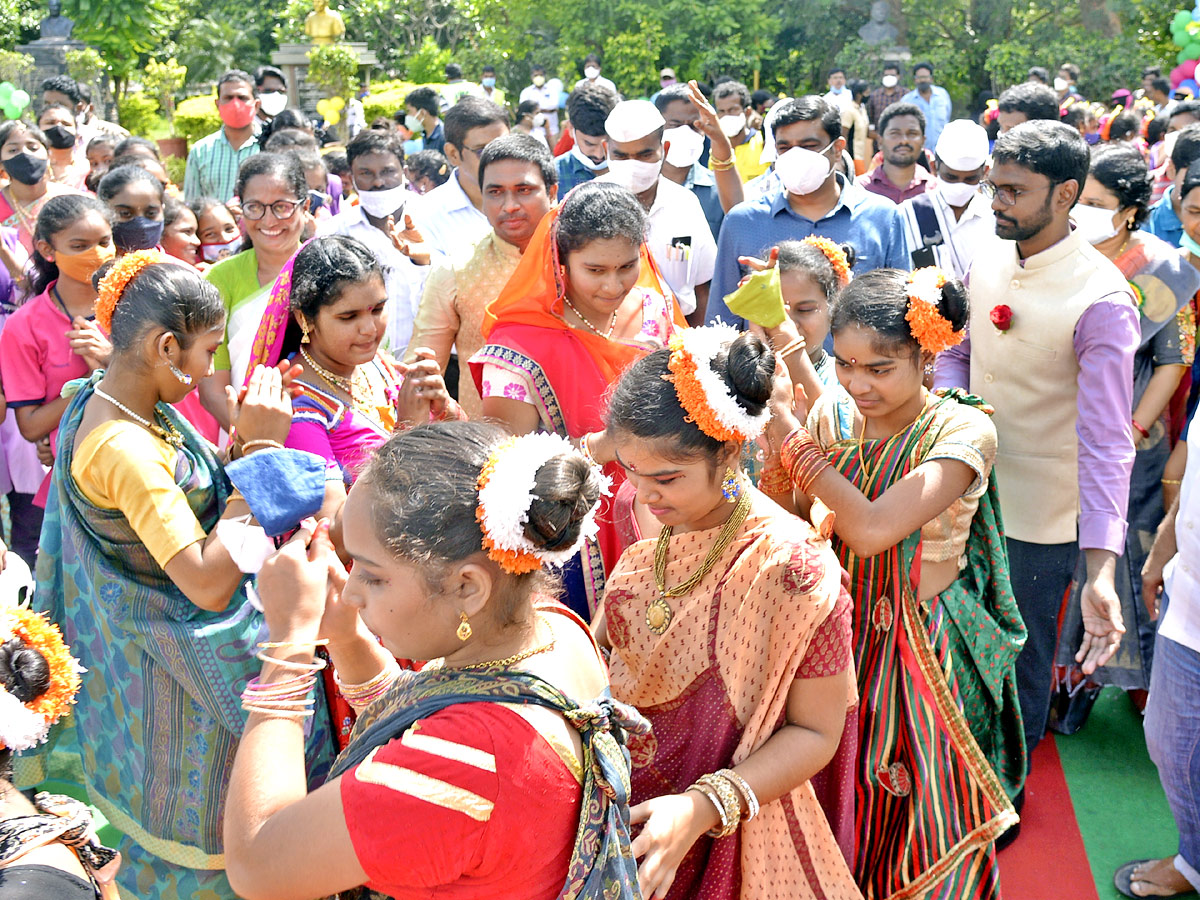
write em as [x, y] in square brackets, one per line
[937, 110]
[1163, 221]
[701, 182]
[872, 225]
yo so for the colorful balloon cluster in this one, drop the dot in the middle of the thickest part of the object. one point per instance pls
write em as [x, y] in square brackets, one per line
[331, 109]
[13, 100]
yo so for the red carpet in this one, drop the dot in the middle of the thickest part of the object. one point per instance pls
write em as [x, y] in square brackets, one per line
[1048, 860]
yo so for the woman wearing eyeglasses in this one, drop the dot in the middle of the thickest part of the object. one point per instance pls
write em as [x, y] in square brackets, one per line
[274, 192]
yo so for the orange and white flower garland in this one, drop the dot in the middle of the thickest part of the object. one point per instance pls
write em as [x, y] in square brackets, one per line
[25, 725]
[506, 484]
[929, 327]
[703, 393]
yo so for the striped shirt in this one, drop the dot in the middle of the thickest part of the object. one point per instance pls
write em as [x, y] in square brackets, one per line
[212, 166]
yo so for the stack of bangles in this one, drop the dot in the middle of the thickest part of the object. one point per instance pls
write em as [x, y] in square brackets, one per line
[720, 165]
[292, 698]
[360, 696]
[803, 459]
[726, 789]
[791, 347]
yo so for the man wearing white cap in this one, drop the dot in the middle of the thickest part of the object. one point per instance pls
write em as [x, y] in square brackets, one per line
[677, 232]
[945, 226]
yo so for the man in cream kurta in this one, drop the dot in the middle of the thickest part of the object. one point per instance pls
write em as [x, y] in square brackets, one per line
[519, 182]
[1058, 368]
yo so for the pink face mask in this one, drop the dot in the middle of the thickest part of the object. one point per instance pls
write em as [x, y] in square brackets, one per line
[236, 113]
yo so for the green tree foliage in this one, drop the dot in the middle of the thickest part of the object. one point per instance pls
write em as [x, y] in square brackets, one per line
[123, 30]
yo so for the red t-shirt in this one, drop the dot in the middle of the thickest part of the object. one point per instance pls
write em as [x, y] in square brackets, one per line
[471, 802]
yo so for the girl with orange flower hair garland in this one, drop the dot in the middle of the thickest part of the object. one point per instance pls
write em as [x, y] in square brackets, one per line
[917, 526]
[47, 847]
[144, 559]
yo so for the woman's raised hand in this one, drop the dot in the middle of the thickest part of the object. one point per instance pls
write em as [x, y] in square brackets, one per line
[264, 412]
[293, 585]
[423, 394]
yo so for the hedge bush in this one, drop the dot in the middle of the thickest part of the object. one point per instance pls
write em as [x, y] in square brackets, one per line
[196, 117]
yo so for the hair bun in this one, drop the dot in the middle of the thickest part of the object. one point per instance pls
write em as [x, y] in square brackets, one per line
[24, 672]
[954, 303]
[750, 371]
[567, 488]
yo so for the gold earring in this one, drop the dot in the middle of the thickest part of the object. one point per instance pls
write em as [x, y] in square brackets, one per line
[464, 628]
[731, 488]
[303, 330]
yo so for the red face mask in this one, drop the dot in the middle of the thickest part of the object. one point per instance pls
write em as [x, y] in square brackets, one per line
[236, 113]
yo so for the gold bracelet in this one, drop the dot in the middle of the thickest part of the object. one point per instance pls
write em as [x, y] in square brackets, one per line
[1172, 481]
[729, 800]
[790, 348]
[745, 790]
[711, 794]
[714, 162]
[261, 442]
[235, 494]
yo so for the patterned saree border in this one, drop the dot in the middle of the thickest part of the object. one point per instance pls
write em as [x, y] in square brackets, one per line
[960, 733]
[174, 852]
[519, 364]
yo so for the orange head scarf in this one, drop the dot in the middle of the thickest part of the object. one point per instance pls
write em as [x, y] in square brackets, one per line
[534, 296]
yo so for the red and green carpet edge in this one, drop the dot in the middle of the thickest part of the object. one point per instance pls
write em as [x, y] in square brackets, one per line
[1093, 802]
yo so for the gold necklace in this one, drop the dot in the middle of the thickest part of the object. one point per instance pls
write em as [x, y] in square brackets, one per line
[659, 615]
[170, 434]
[510, 661]
[337, 381]
[604, 334]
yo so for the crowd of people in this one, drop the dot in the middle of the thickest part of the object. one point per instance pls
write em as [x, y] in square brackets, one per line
[713, 494]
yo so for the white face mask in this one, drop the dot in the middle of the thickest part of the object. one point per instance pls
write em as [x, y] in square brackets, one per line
[591, 73]
[803, 171]
[273, 102]
[1095, 225]
[382, 204]
[634, 174]
[890, 81]
[1061, 84]
[591, 164]
[957, 193]
[733, 125]
[685, 146]
[539, 120]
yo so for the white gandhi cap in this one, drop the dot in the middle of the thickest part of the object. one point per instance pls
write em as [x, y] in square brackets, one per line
[963, 145]
[631, 120]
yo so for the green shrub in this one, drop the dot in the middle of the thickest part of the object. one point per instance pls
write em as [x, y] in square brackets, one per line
[196, 117]
[139, 114]
[176, 166]
[387, 97]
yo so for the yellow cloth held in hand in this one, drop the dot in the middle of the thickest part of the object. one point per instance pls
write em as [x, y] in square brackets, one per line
[760, 299]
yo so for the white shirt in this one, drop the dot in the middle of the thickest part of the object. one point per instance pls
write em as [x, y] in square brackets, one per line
[1181, 621]
[960, 239]
[449, 220]
[600, 80]
[546, 97]
[679, 239]
[402, 278]
[843, 101]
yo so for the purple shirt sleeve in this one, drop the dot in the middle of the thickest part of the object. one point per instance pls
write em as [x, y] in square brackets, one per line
[1106, 338]
[952, 368]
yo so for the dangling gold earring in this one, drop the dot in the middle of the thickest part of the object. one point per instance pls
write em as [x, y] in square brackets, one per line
[464, 628]
[303, 330]
[731, 488]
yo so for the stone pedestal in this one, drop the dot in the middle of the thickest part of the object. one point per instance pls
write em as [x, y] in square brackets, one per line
[49, 59]
[293, 59]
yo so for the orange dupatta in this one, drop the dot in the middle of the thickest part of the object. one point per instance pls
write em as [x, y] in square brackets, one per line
[534, 296]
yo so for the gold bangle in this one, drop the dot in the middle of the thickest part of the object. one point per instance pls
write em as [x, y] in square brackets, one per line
[711, 794]
[729, 800]
[1172, 481]
[790, 348]
[261, 442]
[745, 790]
[714, 162]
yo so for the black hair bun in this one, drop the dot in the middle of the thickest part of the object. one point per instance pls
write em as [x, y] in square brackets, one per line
[749, 369]
[954, 303]
[23, 670]
[850, 253]
[566, 489]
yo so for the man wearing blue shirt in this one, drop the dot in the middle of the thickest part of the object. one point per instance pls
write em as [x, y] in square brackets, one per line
[1164, 215]
[934, 101]
[812, 199]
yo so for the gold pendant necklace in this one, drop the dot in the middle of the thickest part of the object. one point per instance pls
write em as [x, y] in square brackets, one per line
[659, 614]
[337, 381]
[607, 335]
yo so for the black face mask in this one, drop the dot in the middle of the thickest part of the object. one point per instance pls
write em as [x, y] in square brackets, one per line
[26, 168]
[139, 233]
[60, 137]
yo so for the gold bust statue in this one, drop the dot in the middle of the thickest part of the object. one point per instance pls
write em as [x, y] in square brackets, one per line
[324, 25]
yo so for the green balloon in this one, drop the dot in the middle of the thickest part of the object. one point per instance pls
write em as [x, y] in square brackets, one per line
[1182, 16]
[1181, 57]
[6, 91]
[11, 112]
[1192, 51]
[20, 99]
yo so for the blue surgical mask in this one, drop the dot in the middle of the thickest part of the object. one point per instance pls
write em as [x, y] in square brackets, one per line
[1189, 245]
[489, 82]
[1093, 138]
